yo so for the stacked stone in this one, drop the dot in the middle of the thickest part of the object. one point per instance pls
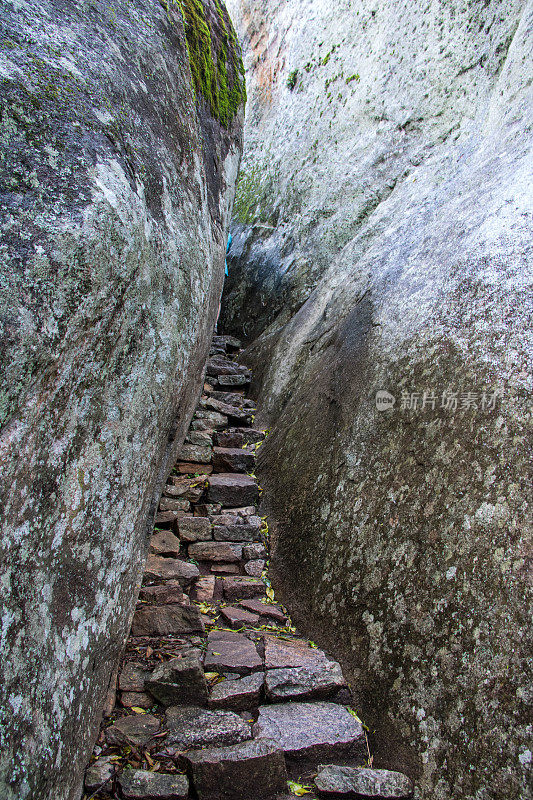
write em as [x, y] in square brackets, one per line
[218, 698]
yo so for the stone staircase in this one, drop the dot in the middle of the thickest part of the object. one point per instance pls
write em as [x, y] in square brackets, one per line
[217, 697]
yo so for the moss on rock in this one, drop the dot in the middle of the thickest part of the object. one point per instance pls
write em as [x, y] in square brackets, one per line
[215, 59]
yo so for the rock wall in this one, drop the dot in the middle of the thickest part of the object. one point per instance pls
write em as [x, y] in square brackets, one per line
[382, 242]
[121, 135]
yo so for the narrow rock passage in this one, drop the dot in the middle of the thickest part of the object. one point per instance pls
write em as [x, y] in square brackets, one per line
[218, 697]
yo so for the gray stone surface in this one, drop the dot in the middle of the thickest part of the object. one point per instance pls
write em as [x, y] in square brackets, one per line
[115, 186]
[137, 784]
[254, 769]
[195, 453]
[195, 529]
[169, 568]
[132, 676]
[387, 246]
[135, 729]
[169, 592]
[237, 529]
[169, 618]
[239, 694]
[334, 781]
[215, 551]
[303, 683]
[180, 680]
[191, 727]
[311, 730]
[98, 773]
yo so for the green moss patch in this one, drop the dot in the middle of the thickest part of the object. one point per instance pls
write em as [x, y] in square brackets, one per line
[215, 59]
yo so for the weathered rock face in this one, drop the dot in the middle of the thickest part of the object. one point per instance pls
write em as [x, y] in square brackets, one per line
[384, 243]
[116, 188]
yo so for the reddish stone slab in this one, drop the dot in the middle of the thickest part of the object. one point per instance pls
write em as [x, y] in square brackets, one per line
[136, 784]
[136, 700]
[231, 652]
[193, 453]
[165, 593]
[281, 653]
[137, 729]
[243, 588]
[238, 617]
[188, 468]
[264, 610]
[195, 529]
[174, 504]
[169, 568]
[254, 568]
[192, 727]
[254, 551]
[180, 680]
[215, 551]
[304, 683]
[132, 677]
[204, 588]
[162, 620]
[233, 459]
[254, 770]
[233, 489]
[234, 380]
[164, 517]
[164, 543]
[312, 730]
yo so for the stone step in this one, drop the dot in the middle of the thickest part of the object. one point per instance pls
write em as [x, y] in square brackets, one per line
[194, 469]
[170, 568]
[235, 414]
[237, 529]
[219, 365]
[195, 453]
[194, 529]
[164, 593]
[346, 782]
[242, 588]
[304, 683]
[136, 784]
[191, 727]
[238, 694]
[229, 343]
[238, 617]
[317, 730]
[283, 653]
[264, 609]
[254, 770]
[233, 459]
[215, 551]
[231, 653]
[230, 381]
[232, 489]
[180, 680]
[164, 543]
[166, 619]
[135, 729]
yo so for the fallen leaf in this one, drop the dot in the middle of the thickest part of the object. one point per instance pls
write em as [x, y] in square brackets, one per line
[299, 789]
